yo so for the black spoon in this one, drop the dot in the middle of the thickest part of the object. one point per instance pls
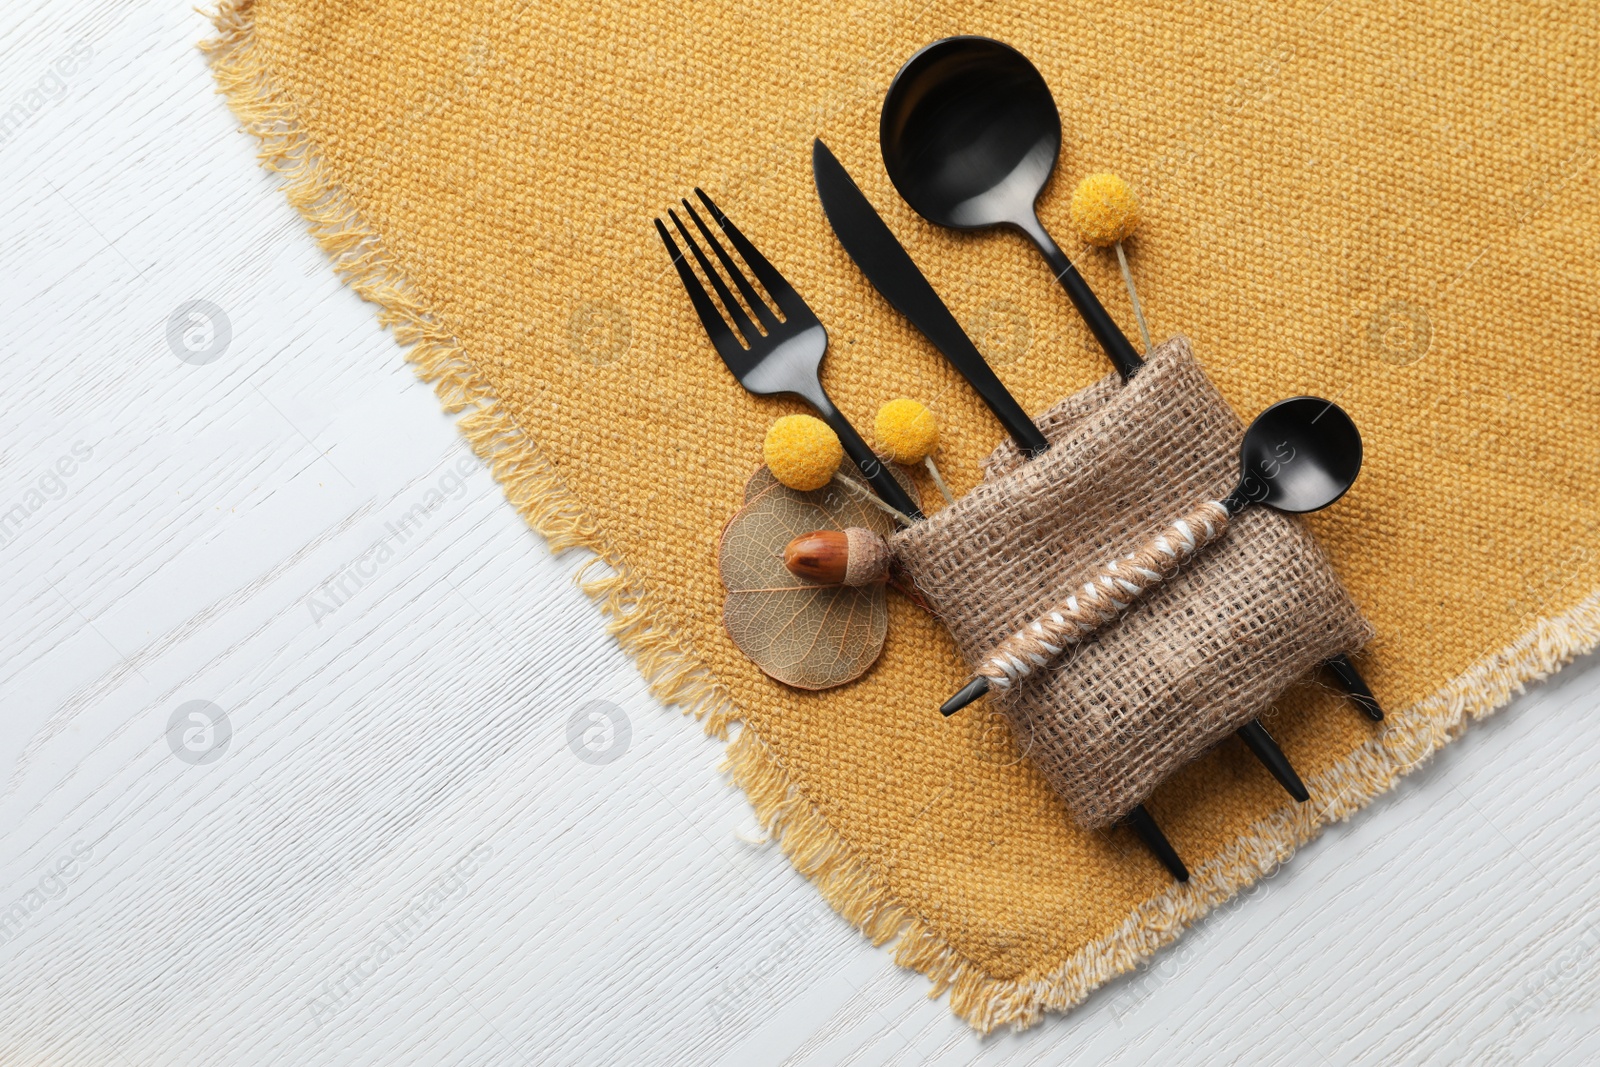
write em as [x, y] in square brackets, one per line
[1299, 455]
[970, 134]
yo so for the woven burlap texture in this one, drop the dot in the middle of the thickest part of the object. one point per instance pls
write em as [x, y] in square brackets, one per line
[1391, 206]
[1187, 665]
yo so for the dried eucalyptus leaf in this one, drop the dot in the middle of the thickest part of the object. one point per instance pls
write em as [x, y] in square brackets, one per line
[803, 634]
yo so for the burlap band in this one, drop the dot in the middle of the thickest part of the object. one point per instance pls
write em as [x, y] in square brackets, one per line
[1202, 654]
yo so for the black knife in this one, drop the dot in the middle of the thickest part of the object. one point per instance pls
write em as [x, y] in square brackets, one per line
[889, 267]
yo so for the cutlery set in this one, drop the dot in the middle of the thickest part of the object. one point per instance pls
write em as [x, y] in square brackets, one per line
[970, 135]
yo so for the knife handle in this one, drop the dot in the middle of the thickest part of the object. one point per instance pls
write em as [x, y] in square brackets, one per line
[867, 461]
[1023, 430]
[1144, 824]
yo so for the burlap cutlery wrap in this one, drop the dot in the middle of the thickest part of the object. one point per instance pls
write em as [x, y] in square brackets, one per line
[1201, 654]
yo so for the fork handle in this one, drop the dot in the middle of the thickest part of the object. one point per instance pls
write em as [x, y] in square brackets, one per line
[871, 467]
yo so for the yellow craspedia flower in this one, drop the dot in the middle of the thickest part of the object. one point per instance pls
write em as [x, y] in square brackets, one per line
[802, 452]
[1104, 209]
[906, 431]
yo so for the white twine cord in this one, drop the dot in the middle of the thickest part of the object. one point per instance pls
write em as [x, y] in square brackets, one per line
[1106, 596]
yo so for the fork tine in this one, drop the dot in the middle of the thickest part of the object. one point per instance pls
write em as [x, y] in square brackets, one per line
[789, 301]
[751, 297]
[741, 321]
[722, 338]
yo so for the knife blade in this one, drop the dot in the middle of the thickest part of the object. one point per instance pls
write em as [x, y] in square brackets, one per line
[891, 270]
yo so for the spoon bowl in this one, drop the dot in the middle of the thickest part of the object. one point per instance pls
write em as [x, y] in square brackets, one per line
[970, 134]
[1299, 455]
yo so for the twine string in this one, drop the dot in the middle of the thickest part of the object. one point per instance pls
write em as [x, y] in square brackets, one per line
[1106, 596]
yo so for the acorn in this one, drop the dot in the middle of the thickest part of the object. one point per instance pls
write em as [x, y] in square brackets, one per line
[852, 556]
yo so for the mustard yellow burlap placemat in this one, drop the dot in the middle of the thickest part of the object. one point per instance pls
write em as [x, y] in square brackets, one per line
[1391, 205]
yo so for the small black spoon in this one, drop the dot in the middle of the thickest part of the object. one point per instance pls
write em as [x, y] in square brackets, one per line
[970, 134]
[1299, 455]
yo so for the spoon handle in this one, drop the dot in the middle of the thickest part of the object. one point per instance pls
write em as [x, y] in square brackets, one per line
[1100, 323]
[1116, 587]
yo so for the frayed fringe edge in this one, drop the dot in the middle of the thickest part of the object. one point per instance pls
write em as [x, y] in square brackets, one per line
[535, 489]
[1407, 739]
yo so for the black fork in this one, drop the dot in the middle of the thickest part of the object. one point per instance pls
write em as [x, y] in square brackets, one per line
[770, 355]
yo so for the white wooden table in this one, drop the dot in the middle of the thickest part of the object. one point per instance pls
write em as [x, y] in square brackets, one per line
[288, 770]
